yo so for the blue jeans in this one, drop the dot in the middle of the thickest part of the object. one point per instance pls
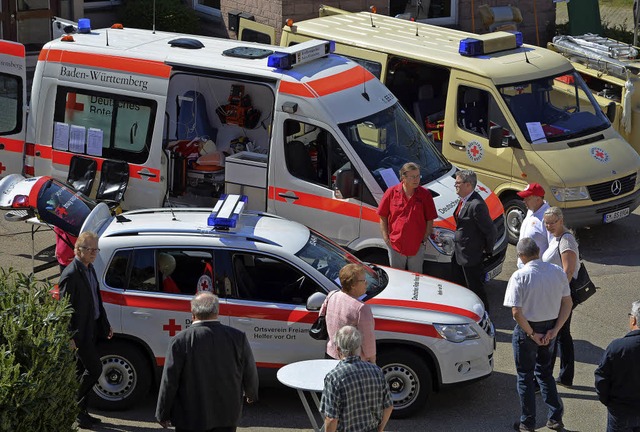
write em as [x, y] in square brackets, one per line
[534, 362]
[622, 422]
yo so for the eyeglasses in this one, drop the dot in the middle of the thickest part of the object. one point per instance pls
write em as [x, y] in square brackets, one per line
[413, 177]
[89, 249]
[458, 183]
[361, 280]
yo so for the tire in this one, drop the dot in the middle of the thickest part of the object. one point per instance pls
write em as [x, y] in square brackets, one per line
[409, 380]
[514, 212]
[376, 256]
[125, 379]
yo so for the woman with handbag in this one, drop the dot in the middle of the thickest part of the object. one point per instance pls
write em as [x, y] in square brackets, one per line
[344, 307]
[563, 251]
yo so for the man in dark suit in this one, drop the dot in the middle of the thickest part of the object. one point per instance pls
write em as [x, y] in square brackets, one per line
[474, 237]
[206, 369]
[89, 320]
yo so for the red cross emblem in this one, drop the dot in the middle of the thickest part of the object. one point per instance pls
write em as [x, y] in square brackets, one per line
[2, 168]
[483, 189]
[599, 154]
[204, 285]
[172, 327]
[474, 150]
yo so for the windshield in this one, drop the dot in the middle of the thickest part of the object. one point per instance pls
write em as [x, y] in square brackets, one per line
[60, 206]
[387, 140]
[328, 258]
[554, 108]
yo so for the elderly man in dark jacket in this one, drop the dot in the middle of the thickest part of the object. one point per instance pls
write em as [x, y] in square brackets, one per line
[618, 378]
[206, 370]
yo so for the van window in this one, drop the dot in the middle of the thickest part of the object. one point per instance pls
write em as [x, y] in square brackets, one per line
[126, 123]
[10, 104]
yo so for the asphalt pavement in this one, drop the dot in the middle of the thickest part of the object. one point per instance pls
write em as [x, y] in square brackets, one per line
[612, 255]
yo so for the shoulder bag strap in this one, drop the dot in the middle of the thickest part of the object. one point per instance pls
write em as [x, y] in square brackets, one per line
[326, 301]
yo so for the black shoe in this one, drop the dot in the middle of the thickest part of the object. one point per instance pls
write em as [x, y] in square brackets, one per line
[522, 427]
[560, 383]
[555, 425]
[84, 421]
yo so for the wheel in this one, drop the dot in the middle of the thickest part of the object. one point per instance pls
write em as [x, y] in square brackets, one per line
[376, 256]
[409, 380]
[514, 212]
[125, 379]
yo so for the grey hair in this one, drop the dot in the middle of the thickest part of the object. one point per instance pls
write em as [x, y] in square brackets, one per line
[554, 211]
[205, 306]
[635, 310]
[409, 166]
[527, 247]
[348, 341]
[468, 176]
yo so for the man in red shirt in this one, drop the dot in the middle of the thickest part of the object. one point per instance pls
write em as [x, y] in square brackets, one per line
[406, 215]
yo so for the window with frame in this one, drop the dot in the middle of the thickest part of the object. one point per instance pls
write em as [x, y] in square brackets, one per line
[429, 11]
[478, 111]
[209, 7]
[10, 104]
[126, 122]
[268, 279]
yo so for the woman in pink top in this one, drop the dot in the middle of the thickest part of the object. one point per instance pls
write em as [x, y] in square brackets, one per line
[343, 308]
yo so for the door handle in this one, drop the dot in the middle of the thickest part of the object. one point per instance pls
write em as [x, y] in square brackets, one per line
[245, 320]
[457, 144]
[286, 195]
[1, 146]
[147, 174]
[143, 315]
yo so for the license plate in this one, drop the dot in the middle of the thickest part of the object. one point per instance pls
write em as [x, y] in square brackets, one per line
[614, 216]
[493, 273]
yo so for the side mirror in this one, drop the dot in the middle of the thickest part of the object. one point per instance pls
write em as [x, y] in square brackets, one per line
[495, 136]
[315, 300]
[347, 183]
[611, 111]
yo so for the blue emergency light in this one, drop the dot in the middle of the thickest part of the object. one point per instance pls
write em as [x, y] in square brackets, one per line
[227, 211]
[490, 43]
[300, 54]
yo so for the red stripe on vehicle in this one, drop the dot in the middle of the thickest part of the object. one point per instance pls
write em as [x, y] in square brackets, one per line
[115, 63]
[296, 89]
[64, 158]
[406, 327]
[341, 81]
[161, 360]
[414, 304]
[12, 145]
[12, 49]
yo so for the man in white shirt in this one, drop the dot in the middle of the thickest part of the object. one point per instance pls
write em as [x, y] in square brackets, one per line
[540, 302]
[533, 225]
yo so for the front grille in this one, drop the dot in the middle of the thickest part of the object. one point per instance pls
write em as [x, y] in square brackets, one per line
[499, 224]
[602, 191]
[486, 325]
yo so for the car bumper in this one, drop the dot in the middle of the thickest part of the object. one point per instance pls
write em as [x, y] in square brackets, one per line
[594, 215]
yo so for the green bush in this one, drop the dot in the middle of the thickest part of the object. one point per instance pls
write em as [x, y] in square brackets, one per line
[37, 366]
[171, 15]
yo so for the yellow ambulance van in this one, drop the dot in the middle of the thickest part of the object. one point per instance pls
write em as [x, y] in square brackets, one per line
[514, 113]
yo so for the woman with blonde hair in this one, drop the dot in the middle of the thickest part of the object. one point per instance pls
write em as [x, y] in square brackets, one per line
[563, 251]
[344, 307]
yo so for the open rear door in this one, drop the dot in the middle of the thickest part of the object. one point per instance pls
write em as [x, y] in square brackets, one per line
[13, 115]
[251, 31]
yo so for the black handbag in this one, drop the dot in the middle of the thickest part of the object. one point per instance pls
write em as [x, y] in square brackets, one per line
[581, 286]
[318, 330]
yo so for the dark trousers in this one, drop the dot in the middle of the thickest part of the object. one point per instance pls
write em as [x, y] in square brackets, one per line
[533, 362]
[564, 347]
[471, 277]
[89, 369]
[622, 421]
[216, 429]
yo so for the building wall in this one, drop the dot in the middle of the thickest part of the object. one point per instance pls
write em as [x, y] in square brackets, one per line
[537, 26]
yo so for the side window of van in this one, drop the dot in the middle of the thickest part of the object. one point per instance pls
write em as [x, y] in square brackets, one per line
[10, 104]
[124, 124]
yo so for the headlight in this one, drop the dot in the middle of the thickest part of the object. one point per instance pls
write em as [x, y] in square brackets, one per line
[442, 240]
[570, 194]
[456, 332]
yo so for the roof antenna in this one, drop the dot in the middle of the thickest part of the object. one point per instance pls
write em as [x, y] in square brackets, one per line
[525, 55]
[417, 34]
[107, 34]
[174, 218]
[154, 17]
[371, 17]
[364, 84]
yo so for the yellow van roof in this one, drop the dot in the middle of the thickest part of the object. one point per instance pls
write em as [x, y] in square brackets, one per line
[432, 44]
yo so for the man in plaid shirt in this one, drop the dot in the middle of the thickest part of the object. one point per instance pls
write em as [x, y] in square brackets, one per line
[356, 396]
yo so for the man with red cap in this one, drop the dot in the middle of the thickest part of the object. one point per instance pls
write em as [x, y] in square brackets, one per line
[533, 225]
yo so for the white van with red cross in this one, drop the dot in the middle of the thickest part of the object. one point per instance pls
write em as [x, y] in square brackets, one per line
[157, 119]
[271, 275]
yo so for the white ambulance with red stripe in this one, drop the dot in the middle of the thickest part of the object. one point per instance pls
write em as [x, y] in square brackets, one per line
[271, 275]
[307, 135]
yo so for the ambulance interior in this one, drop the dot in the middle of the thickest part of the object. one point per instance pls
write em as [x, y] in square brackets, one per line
[210, 119]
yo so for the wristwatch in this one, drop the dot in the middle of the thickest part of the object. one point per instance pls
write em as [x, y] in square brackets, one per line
[531, 335]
